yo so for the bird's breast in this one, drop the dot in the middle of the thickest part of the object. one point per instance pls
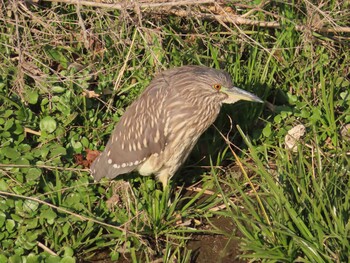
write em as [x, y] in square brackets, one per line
[182, 129]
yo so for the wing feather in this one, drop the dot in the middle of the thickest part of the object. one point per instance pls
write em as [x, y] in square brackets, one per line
[138, 134]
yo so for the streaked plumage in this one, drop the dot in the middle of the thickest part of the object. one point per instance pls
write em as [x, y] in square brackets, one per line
[158, 130]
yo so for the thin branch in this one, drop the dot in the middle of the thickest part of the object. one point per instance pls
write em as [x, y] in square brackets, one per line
[45, 248]
[82, 25]
[226, 17]
[130, 5]
[63, 210]
[240, 20]
[49, 167]
[126, 60]
[28, 130]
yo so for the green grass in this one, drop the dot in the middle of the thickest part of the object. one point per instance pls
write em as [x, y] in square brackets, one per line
[288, 206]
[304, 211]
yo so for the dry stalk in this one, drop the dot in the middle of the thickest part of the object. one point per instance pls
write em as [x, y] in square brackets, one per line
[45, 248]
[178, 8]
[66, 211]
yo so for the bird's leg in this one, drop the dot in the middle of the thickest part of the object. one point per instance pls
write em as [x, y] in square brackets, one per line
[163, 177]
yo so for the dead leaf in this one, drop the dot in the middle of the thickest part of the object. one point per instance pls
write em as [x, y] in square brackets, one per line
[345, 132]
[293, 137]
[90, 94]
[91, 155]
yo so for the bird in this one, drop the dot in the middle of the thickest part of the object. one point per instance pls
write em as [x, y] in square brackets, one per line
[158, 130]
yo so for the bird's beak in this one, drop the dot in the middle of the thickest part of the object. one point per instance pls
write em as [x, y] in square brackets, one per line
[235, 94]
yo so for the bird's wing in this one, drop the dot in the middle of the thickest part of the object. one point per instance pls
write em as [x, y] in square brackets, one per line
[138, 135]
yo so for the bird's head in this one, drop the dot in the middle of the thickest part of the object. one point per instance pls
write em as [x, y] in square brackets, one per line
[221, 84]
[211, 83]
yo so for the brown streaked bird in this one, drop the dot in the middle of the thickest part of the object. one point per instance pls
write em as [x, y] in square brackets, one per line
[158, 130]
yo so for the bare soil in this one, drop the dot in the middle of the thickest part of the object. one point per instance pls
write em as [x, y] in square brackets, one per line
[216, 248]
[206, 248]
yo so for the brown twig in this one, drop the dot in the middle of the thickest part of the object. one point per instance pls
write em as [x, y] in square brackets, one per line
[130, 5]
[45, 248]
[240, 20]
[49, 167]
[61, 209]
[28, 130]
[223, 17]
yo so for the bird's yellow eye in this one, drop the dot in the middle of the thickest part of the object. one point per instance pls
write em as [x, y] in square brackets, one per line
[217, 87]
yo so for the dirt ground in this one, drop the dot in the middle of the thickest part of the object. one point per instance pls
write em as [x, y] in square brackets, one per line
[216, 248]
[205, 248]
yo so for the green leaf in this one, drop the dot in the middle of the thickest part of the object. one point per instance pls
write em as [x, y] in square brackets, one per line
[57, 89]
[8, 113]
[22, 161]
[66, 228]
[73, 199]
[24, 147]
[3, 185]
[76, 144]
[10, 225]
[5, 135]
[15, 259]
[114, 255]
[48, 124]
[19, 129]
[44, 151]
[6, 242]
[28, 240]
[2, 219]
[3, 258]
[32, 223]
[32, 258]
[10, 153]
[67, 260]
[267, 130]
[68, 252]
[32, 96]
[56, 55]
[43, 103]
[342, 82]
[316, 115]
[8, 124]
[53, 259]
[49, 215]
[33, 174]
[30, 206]
[57, 151]
[16, 217]
[345, 95]
[85, 142]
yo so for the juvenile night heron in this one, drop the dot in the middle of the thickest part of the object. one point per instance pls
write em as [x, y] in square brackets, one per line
[158, 131]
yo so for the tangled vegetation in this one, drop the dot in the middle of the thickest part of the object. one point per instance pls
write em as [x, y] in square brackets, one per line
[68, 71]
